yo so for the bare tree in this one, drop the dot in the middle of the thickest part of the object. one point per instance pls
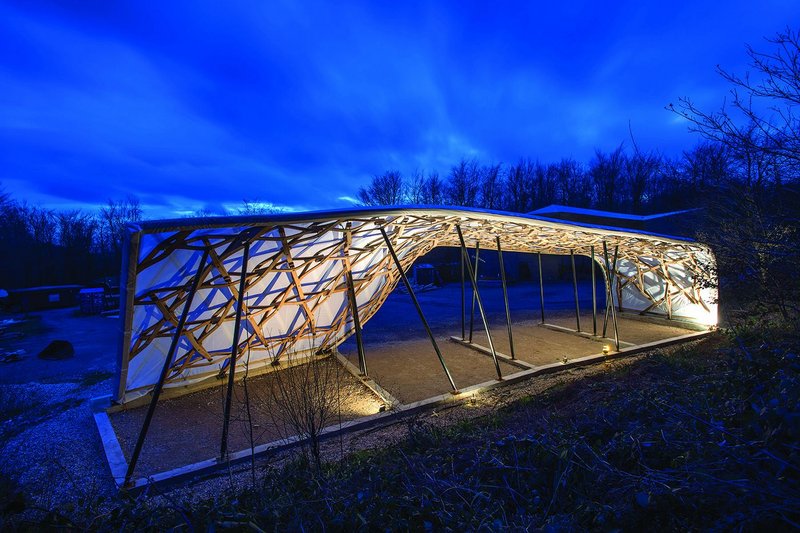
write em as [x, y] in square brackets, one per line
[306, 398]
[762, 114]
[519, 186]
[258, 207]
[606, 173]
[463, 183]
[572, 186]
[112, 220]
[384, 189]
[491, 187]
[433, 190]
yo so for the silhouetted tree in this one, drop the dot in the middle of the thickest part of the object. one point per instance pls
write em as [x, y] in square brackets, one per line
[463, 184]
[572, 185]
[491, 187]
[384, 189]
[763, 111]
[606, 173]
[519, 186]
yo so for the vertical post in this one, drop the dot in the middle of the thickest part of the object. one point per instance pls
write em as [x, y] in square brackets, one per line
[575, 290]
[505, 297]
[351, 295]
[541, 286]
[463, 303]
[419, 309]
[137, 449]
[472, 310]
[474, 281]
[594, 297]
[234, 352]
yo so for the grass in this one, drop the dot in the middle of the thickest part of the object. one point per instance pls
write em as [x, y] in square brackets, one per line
[701, 437]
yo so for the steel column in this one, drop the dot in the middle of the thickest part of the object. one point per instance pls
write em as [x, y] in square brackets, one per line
[419, 309]
[234, 352]
[351, 296]
[472, 310]
[594, 297]
[575, 290]
[463, 303]
[137, 449]
[505, 297]
[610, 281]
[474, 281]
[541, 286]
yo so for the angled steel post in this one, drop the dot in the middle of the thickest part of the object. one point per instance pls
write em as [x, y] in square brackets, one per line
[463, 303]
[472, 310]
[505, 297]
[613, 310]
[575, 290]
[594, 297]
[541, 286]
[234, 349]
[419, 309]
[351, 295]
[474, 281]
[137, 449]
[609, 292]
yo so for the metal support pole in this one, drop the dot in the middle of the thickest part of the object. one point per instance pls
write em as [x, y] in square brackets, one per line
[463, 303]
[610, 296]
[234, 353]
[137, 449]
[472, 310]
[419, 309]
[594, 297]
[505, 297]
[575, 290]
[351, 295]
[474, 281]
[541, 286]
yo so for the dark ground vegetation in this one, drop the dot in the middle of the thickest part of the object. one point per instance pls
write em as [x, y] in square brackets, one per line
[704, 436]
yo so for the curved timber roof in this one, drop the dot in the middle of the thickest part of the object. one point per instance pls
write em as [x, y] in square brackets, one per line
[295, 296]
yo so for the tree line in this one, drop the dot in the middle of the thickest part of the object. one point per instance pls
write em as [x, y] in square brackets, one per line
[636, 182]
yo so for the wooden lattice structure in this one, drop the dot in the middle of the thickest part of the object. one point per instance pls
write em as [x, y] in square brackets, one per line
[295, 296]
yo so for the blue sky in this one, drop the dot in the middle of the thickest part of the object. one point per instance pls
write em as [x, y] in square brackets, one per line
[192, 105]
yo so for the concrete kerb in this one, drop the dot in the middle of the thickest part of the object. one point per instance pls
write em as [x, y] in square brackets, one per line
[199, 470]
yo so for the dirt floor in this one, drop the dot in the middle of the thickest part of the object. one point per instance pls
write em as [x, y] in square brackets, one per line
[631, 330]
[410, 371]
[188, 429]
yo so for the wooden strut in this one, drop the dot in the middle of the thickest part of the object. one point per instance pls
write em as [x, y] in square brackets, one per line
[223, 452]
[419, 309]
[472, 310]
[609, 293]
[137, 449]
[474, 281]
[575, 290]
[505, 297]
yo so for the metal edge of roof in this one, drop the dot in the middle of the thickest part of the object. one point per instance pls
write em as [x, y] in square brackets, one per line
[177, 224]
[557, 208]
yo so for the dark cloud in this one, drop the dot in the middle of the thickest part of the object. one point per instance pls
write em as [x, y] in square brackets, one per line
[196, 106]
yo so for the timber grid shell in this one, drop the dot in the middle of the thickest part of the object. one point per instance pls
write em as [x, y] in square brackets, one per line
[295, 297]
